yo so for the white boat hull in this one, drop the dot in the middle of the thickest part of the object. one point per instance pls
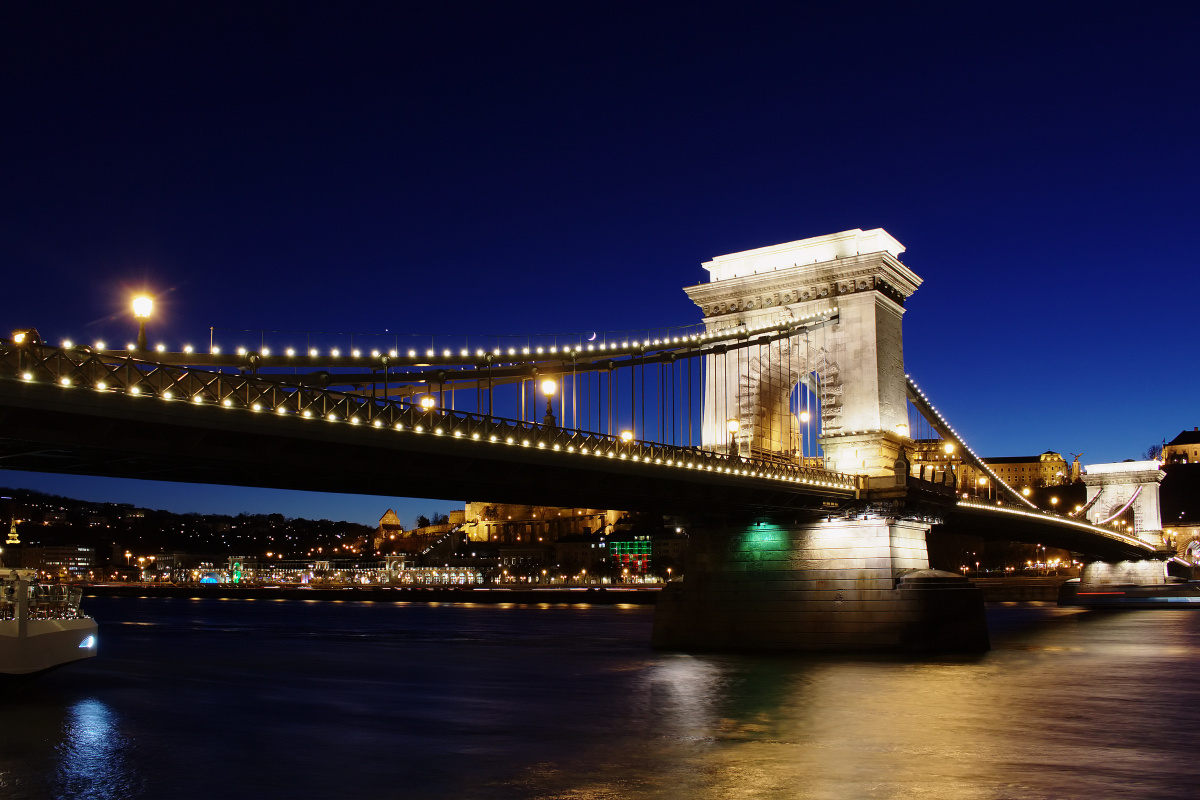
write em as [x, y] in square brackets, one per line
[44, 644]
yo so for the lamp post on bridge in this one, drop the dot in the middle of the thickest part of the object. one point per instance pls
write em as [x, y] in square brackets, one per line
[549, 387]
[143, 307]
[733, 426]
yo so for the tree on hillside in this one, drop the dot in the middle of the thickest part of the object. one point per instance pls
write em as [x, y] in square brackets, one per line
[1153, 452]
[423, 521]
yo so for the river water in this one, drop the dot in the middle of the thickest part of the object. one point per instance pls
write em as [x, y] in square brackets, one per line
[263, 699]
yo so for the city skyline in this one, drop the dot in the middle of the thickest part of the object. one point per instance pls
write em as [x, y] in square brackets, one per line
[373, 171]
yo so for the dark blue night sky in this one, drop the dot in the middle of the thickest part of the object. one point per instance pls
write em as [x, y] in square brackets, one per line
[524, 168]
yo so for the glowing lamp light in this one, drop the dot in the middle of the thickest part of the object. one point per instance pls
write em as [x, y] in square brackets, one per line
[902, 429]
[549, 387]
[949, 448]
[143, 306]
[804, 416]
[427, 402]
[732, 425]
[626, 436]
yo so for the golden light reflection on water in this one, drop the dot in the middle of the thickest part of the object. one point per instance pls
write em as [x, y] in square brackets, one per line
[1067, 708]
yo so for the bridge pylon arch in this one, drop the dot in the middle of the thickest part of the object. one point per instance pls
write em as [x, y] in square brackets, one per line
[845, 293]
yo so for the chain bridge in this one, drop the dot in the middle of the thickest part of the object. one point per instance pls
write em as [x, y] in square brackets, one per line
[780, 426]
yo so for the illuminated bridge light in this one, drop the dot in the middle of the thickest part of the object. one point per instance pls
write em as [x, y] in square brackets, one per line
[101, 385]
[313, 352]
[215, 350]
[134, 390]
[418, 429]
[226, 402]
[65, 381]
[167, 395]
[475, 436]
[266, 351]
[356, 353]
[331, 417]
[393, 353]
[412, 353]
[378, 423]
[241, 351]
[99, 345]
[335, 352]
[281, 410]
[256, 407]
[307, 413]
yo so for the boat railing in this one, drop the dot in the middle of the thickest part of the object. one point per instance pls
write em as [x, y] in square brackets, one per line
[45, 601]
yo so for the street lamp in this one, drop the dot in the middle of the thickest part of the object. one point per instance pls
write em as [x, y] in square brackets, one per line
[549, 387]
[733, 426]
[626, 436]
[143, 307]
[427, 402]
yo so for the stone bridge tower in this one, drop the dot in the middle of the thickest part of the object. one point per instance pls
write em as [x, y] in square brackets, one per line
[1132, 486]
[849, 288]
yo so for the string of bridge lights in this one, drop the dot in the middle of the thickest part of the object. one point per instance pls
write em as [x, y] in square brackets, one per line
[626, 438]
[959, 441]
[572, 351]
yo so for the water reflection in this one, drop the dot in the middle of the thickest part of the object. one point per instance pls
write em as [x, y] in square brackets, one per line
[523, 702]
[93, 755]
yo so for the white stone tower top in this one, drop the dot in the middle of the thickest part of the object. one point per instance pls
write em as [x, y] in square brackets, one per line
[805, 251]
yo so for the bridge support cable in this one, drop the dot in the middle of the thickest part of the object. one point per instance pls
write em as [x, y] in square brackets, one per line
[1082, 510]
[947, 432]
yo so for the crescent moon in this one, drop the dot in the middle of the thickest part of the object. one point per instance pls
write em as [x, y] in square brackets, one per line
[592, 338]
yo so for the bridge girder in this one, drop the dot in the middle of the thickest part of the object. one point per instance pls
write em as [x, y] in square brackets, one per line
[45, 428]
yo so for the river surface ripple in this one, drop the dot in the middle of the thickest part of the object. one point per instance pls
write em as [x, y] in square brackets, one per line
[262, 699]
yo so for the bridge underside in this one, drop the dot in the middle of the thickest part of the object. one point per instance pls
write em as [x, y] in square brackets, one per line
[46, 429]
[1034, 528]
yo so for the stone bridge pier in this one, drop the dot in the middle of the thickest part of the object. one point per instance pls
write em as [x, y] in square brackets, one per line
[831, 584]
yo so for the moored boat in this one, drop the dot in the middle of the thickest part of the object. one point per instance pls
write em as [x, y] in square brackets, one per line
[41, 626]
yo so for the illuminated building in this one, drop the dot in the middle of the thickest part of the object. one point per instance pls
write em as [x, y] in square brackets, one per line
[1183, 449]
[630, 551]
[1047, 469]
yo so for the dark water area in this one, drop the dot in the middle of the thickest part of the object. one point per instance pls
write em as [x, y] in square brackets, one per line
[264, 699]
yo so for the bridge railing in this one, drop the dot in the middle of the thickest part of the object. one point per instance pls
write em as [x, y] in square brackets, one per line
[82, 368]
